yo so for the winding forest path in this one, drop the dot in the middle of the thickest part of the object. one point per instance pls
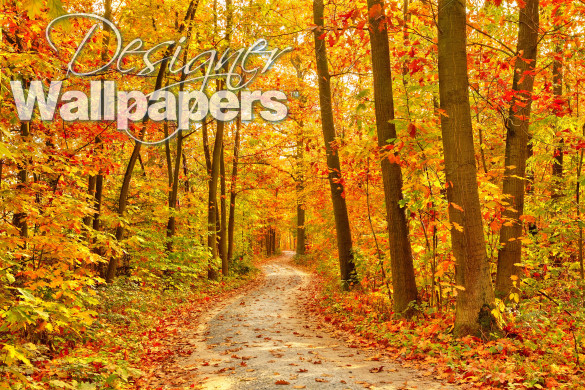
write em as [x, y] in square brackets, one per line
[262, 340]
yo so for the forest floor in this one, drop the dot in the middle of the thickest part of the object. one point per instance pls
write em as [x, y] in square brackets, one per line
[262, 338]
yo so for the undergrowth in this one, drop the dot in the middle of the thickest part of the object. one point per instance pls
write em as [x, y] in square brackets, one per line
[99, 344]
[543, 346]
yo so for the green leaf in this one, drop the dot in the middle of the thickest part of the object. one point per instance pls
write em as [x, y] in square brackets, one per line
[5, 153]
[27, 295]
[56, 8]
[363, 93]
[10, 277]
[14, 354]
[87, 386]
[360, 108]
[33, 7]
[60, 384]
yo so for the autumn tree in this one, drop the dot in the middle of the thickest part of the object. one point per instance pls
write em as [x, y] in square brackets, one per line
[301, 217]
[213, 214]
[557, 79]
[233, 190]
[517, 137]
[342, 228]
[299, 176]
[403, 280]
[473, 308]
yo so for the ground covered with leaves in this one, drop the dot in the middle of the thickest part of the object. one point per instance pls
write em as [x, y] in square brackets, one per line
[115, 338]
[541, 347]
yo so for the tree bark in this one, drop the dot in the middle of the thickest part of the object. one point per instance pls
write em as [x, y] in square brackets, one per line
[99, 188]
[517, 137]
[171, 225]
[300, 249]
[19, 219]
[300, 169]
[342, 227]
[232, 217]
[123, 203]
[211, 238]
[467, 237]
[557, 169]
[578, 206]
[174, 173]
[403, 280]
[1, 166]
[186, 173]
[99, 178]
[169, 158]
[223, 222]
[170, 177]
[91, 192]
[212, 214]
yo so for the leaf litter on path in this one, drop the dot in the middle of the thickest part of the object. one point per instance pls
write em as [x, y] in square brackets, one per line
[265, 332]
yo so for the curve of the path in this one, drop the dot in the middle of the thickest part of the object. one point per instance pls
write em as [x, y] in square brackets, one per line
[262, 340]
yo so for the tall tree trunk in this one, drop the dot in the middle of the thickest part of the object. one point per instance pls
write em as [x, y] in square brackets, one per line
[174, 173]
[223, 223]
[171, 225]
[91, 192]
[557, 169]
[186, 173]
[233, 193]
[19, 219]
[301, 241]
[170, 177]
[403, 281]
[342, 228]
[216, 220]
[267, 241]
[212, 215]
[169, 158]
[467, 237]
[99, 178]
[300, 173]
[211, 233]
[206, 150]
[99, 188]
[1, 166]
[123, 202]
[300, 183]
[517, 138]
[578, 206]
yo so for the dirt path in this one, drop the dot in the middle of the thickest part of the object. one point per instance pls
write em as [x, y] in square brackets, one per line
[260, 340]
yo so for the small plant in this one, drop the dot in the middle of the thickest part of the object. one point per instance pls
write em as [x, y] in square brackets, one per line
[242, 264]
